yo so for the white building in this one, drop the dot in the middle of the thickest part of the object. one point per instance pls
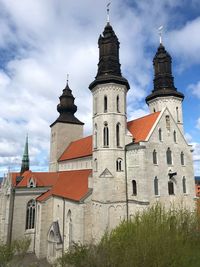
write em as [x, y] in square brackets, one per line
[97, 181]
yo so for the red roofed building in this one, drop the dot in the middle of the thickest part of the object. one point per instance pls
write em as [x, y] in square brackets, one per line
[95, 182]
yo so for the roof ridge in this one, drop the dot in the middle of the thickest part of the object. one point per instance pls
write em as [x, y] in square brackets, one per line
[144, 116]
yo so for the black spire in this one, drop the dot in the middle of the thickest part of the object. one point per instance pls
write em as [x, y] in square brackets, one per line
[67, 108]
[25, 159]
[109, 67]
[163, 79]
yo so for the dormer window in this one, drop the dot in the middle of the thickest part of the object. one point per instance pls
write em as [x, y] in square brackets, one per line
[31, 183]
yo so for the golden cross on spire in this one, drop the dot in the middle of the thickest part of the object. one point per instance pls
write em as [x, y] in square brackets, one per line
[160, 31]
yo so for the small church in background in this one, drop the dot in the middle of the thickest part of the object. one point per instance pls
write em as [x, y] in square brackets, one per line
[96, 182]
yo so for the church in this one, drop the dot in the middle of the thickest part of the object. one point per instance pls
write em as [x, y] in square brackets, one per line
[96, 182]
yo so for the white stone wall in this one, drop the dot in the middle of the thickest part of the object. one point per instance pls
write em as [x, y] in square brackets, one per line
[76, 164]
[62, 134]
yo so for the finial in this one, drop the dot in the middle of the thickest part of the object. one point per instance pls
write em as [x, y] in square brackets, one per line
[160, 31]
[108, 12]
[67, 78]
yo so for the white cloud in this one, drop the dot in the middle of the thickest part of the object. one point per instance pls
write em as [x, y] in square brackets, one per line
[195, 89]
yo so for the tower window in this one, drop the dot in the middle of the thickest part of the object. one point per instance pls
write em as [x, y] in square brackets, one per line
[174, 134]
[95, 105]
[177, 114]
[156, 186]
[95, 165]
[171, 188]
[118, 135]
[182, 158]
[30, 214]
[155, 161]
[167, 122]
[119, 165]
[105, 104]
[169, 156]
[117, 104]
[95, 136]
[184, 185]
[160, 134]
[105, 135]
[134, 187]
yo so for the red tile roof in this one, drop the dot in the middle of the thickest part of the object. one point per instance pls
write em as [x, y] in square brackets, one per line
[70, 184]
[41, 178]
[78, 149]
[139, 129]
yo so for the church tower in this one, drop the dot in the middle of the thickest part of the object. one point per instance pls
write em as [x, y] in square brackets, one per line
[109, 91]
[164, 92]
[65, 129]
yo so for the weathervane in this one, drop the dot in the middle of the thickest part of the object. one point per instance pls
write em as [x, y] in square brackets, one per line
[160, 31]
[67, 78]
[108, 12]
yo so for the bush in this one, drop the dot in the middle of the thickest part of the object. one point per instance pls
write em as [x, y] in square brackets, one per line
[155, 238]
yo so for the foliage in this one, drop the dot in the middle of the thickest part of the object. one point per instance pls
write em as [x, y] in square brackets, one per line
[155, 238]
[17, 247]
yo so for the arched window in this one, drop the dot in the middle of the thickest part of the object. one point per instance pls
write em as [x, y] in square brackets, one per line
[174, 136]
[118, 135]
[160, 134]
[134, 187]
[155, 161]
[117, 102]
[184, 185]
[169, 156]
[105, 135]
[154, 110]
[95, 135]
[95, 105]
[171, 188]
[105, 104]
[52, 245]
[182, 158]
[156, 186]
[167, 122]
[177, 114]
[95, 165]
[69, 233]
[119, 165]
[30, 214]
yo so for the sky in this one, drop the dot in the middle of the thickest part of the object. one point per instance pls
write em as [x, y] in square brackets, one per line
[43, 41]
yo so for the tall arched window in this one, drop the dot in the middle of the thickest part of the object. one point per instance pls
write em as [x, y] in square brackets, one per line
[184, 185]
[119, 165]
[167, 122]
[155, 161]
[69, 237]
[105, 135]
[182, 158]
[134, 187]
[169, 156]
[156, 186]
[171, 188]
[95, 165]
[160, 134]
[30, 214]
[95, 135]
[177, 114]
[105, 104]
[174, 136]
[118, 134]
[117, 102]
[95, 105]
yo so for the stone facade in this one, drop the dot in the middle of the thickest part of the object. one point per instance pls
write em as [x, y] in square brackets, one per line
[131, 168]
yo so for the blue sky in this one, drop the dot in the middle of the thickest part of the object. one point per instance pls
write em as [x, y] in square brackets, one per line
[42, 41]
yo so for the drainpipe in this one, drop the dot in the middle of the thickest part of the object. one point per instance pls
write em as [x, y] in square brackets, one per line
[125, 172]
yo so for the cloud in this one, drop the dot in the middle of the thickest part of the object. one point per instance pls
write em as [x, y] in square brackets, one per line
[195, 89]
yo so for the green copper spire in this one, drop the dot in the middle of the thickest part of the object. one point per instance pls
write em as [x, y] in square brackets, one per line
[25, 159]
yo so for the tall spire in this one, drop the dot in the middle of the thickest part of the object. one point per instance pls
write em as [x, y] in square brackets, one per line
[25, 159]
[109, 67]
[163, 78]
[66, 107]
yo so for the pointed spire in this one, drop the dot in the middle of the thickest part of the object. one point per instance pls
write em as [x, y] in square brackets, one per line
[109, 67]
[25, 159]
[163, 78]
[66, 107]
